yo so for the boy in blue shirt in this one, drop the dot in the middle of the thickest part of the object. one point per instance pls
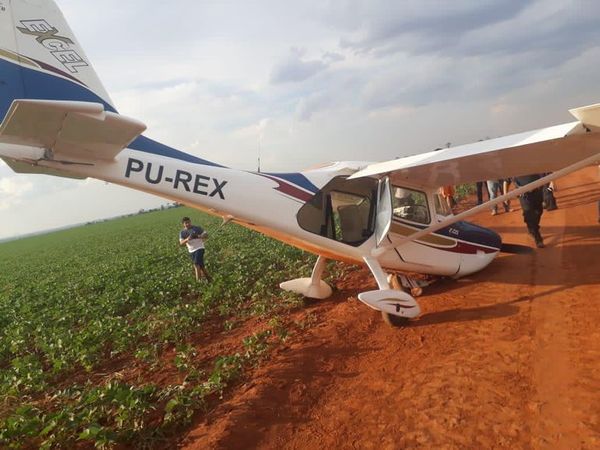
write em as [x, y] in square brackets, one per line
[193, 238]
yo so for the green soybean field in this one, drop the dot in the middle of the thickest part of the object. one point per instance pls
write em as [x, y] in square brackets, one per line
[100, 325]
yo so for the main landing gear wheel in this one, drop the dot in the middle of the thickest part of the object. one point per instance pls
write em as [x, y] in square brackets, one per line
[396, 306]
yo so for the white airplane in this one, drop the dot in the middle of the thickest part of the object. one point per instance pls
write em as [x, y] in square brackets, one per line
[57, 119]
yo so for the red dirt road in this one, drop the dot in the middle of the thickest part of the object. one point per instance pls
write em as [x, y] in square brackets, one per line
[509, 358]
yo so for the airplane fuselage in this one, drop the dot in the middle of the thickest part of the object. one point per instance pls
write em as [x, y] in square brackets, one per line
[270, 203]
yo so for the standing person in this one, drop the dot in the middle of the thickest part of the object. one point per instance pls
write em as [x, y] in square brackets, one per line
[532, 206]
[193, 237]
[505, 188]
[496, 189]
[480, 185]
[448, 193]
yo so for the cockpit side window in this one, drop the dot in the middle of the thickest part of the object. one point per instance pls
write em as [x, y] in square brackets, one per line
[410, 205]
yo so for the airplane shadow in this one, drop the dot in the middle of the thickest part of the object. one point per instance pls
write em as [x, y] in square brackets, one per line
[495, 311]
[551, 234]
[577, 186]
[539, 264]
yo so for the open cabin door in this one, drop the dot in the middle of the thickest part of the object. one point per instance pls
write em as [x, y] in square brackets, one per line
[343, 210]
[383, 220]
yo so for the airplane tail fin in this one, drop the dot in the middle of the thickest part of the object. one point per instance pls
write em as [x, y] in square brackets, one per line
[41, 59]
[52, 104]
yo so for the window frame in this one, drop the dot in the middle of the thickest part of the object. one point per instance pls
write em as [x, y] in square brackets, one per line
[429, 210]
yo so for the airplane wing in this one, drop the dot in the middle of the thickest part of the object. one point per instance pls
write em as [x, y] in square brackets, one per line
[560, 149]
[81, 131]
[539, 151]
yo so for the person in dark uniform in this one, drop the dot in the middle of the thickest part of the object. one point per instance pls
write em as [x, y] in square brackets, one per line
[532, 206]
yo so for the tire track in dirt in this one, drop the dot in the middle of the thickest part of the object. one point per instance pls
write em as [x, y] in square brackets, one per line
[508, 358]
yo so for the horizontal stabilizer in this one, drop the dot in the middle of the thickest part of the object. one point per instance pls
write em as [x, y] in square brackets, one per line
[79, 130]
[23, 167]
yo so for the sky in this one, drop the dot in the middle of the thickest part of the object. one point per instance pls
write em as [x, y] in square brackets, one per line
[315, 81]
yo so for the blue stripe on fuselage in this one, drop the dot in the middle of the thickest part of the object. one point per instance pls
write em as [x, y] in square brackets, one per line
[467, 232]
[147, 145]
[475, 234]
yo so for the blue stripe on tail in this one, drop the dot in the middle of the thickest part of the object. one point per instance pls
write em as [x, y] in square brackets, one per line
[19, 82]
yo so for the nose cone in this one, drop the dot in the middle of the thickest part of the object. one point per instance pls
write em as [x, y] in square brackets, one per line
[486, 244]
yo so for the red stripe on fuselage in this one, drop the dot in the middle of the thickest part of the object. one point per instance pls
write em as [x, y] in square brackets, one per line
[289, 189]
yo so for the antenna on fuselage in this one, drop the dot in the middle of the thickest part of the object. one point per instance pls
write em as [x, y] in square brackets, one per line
[259, 149]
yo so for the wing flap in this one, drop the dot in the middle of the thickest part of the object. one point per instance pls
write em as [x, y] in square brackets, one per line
[80, 130]
[23, 167]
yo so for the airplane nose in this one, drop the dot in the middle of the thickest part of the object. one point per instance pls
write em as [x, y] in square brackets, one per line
[480, 235]
[488, 243]
[493, 237]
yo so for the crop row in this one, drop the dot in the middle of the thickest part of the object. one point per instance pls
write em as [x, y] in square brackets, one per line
[71, 302]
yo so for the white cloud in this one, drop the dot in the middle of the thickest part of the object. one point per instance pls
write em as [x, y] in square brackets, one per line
[12, 191]
[373, 80]
[294, 68]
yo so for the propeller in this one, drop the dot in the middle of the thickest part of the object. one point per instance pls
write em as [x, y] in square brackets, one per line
[516, 249]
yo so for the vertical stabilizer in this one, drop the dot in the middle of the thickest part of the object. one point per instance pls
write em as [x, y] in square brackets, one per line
[40, 57]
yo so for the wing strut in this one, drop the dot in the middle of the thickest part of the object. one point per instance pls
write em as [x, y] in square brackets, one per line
[512, 194]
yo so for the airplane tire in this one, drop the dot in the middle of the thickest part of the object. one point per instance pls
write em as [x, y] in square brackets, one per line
[394, 321]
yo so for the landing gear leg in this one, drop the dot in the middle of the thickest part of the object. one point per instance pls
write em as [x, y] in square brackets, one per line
[313, 287]
[396, 306]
